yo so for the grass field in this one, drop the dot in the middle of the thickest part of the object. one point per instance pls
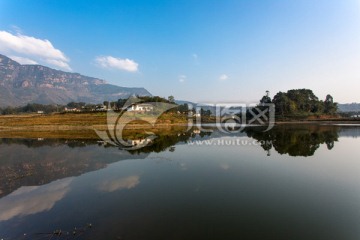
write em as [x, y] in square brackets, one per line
[82, 125]
[76, 125]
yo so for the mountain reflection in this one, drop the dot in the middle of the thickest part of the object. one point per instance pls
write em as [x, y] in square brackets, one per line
[30, 162]
[34, 162]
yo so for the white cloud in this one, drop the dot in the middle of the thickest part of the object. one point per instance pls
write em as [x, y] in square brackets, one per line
[23, 60]
[33, 199]
[40, 49]
[117, 63]
[58, 63]
[119, 184]
[195, 56]
[223, 77]
[182, 78]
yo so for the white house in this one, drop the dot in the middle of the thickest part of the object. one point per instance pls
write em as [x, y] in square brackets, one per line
[136, 142]
[71, 109]
[100, 108]
[191, 114]
[141, 107]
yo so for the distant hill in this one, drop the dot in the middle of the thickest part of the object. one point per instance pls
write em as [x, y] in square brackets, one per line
[349, 107]
[194, 105]
[22, 84]
[181, 102]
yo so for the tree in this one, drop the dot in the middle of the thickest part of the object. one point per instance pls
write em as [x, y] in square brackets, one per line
[329, 106]
[205, 112]
[265, 99]
[171, 99]
[281, 102]
[76, 104]
[120, 103]
[183, 108]
[302, 101]
[8, 110]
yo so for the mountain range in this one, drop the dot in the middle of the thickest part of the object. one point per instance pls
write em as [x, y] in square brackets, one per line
[23, 84]
[349, 107]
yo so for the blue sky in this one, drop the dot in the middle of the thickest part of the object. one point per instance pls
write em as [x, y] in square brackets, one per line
[199, 50]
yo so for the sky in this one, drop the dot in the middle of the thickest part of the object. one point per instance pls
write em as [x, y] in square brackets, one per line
[198, 50]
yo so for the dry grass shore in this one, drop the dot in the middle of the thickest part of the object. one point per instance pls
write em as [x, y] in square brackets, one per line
[72, 125]
[82, 125]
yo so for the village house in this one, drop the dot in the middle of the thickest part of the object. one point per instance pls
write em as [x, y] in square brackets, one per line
[141, 107]
[71, 109]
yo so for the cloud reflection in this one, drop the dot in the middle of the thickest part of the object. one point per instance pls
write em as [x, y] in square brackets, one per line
[119, 184]
[34, 199]
[224, 166]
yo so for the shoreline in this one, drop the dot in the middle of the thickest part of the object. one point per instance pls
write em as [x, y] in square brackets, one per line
[83, 125]
[329, 122]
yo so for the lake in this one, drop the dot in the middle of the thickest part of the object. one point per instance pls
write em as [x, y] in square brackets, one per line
[292, 182]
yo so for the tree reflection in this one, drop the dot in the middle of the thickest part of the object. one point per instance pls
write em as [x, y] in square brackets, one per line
[295, 140]
[31, 162]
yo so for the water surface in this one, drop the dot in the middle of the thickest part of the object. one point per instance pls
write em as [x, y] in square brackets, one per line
[293, 182]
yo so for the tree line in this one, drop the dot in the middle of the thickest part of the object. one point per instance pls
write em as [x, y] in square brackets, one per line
[300, 102]
[86, 107]
[295, 102]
